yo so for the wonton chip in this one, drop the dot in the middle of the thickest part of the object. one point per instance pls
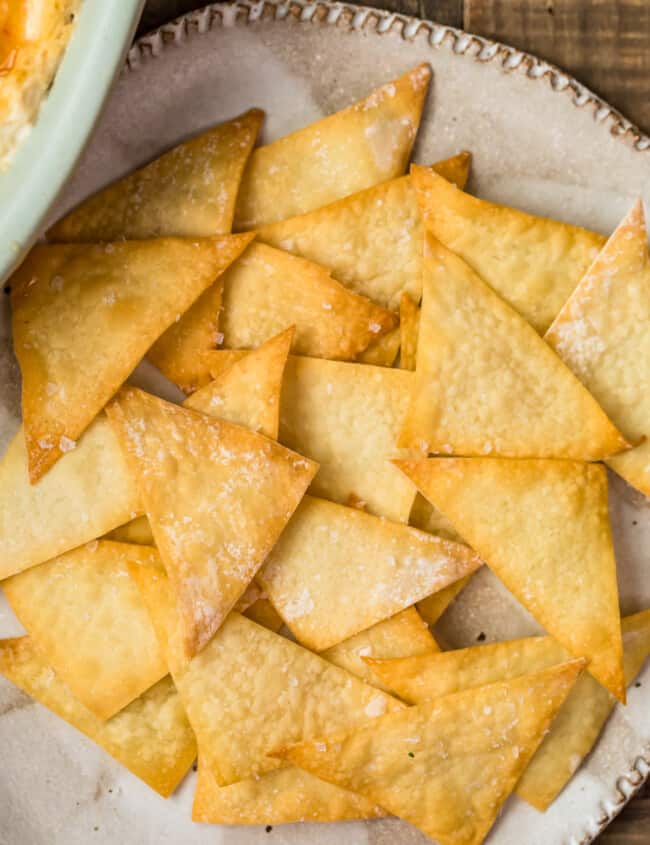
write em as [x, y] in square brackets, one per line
[409, 323]
[83, 316]
[486, 383]
[371, 241]
[427, 518]
[383, 352]
[267, 290]
[250, 689]
[446, 766]
[136, 530]
[348, 151]
[603, 335]
[217, 497]
[189, 191]
[432, 607]
[180, 351]
[336, 571]
[86, 617]
[151, 737]
[543, 527]
[347, 417]
[263, 612]
[87, 493]
[532, 262]
[248, 393]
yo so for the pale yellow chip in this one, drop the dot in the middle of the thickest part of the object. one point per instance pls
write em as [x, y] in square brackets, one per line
[336, 571]
[87, 619]
[268, 290]
[347, 417]
[136, 530]
[248, 393]
[532, 262]
[263, 612]
[432, 607]
[543, 527]
[428, 518]
[446, 766]
[486, 383]
[409, 323]
[217, 497]
[180, 351]
[371, 241]
[151, 737]
[87, 493]
[603, 335]
[189, 191]
[403, 635]
[83, 317]
[348, 151]
[383, 352]
[250, 690]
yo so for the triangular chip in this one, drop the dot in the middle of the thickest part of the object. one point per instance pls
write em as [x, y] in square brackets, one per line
[89, 492]
[409, 324]
[432, 607]
[268, 290]
[248, 393]
[189, 191]
[486, 383]
[445, 766]
[532, 262]
[603, 335]
[428, 518]
[347, 417]
[543, 527]
[336, 570]
[180, 351]
[348, 151]
[263, 612]
[151, 737]
[383, 352]
[87, 619]
[136, 530]
[403, 635]
[83, 316]
[371, 241]
[217, 497]
[250, 689]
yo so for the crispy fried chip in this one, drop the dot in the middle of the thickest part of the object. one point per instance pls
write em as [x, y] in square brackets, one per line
[336, 571]
[136, 530]
[268, 290]
[603, 335]
[427, 518]
[371, 241]
[217, 497]
[250, 690]
[383, 352]
[180, 351]
[486, 383]
[348, 151]
[263, 612]
[248, 393]
[87, 493]
[543, 527]
[409, 324]
[432, 607]
[532, 262]
[151, 737]
[347, 417]
[86, 617]
[446, 766]
[83, 316]
[189, 192]
[403, 635]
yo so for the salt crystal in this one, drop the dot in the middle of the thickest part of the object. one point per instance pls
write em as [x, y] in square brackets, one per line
[66, 444]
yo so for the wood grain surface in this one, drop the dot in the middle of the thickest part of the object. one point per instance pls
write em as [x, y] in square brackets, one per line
[604, 44]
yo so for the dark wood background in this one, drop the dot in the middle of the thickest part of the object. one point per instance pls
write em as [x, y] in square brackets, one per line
[603, 43]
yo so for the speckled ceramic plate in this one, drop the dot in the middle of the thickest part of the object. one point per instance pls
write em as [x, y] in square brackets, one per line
[541, 142]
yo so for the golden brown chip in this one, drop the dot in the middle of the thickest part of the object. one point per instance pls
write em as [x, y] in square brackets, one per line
[532, 262]
[486, 383]
[409, 323]
[151, 737]
[432, 607]
[248, 393]
[446, 766]
[603, 335]
[83, 316]
[383, 352]
[88, 621]
[136, 530]
[189, 191]
[217, 497]
[362, 145]
[87, 493]
[543, 527]
[336, 571]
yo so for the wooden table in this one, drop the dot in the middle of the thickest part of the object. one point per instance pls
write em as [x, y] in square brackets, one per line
[606, 45]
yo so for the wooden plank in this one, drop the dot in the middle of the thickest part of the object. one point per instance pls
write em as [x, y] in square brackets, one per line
[632, 827]
[603, 43]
